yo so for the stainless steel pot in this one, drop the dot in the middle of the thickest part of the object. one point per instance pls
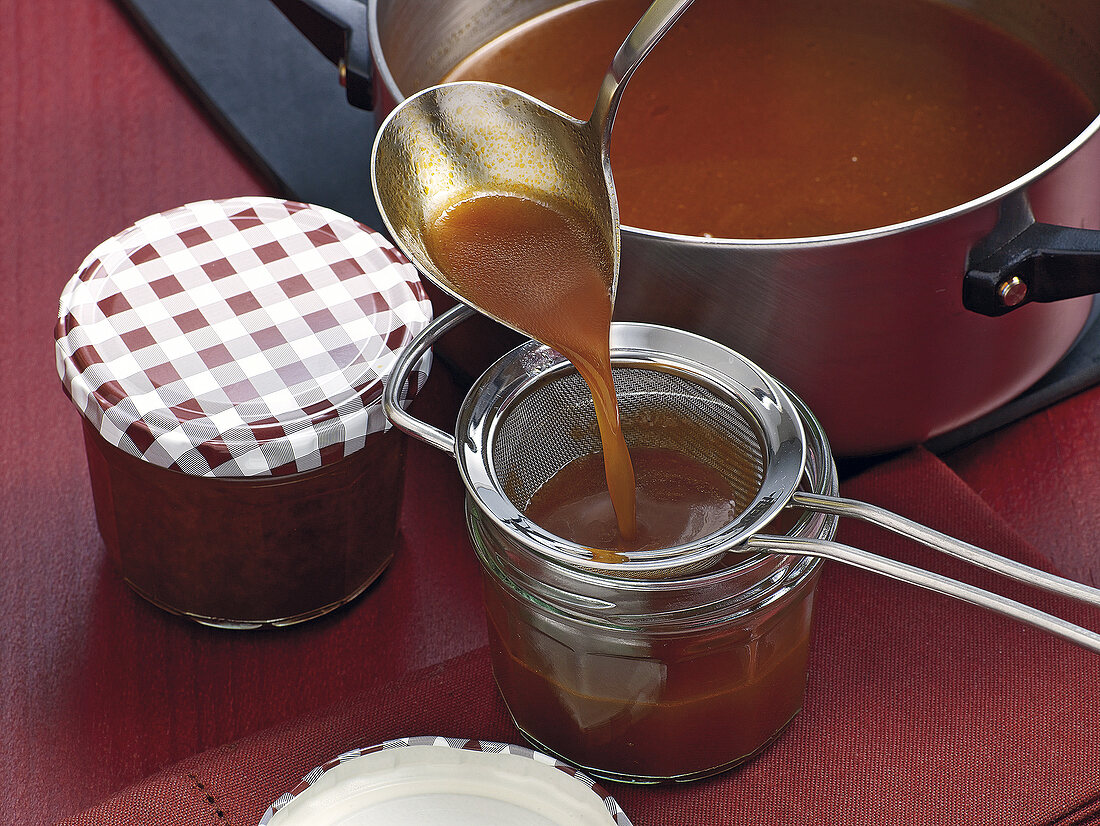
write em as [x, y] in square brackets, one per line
[889, 334]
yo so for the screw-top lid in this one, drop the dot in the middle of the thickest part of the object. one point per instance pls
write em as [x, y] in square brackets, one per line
[445, 781]
[242, 337]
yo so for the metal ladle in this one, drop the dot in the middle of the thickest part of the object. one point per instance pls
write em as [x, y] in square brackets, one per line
[451, 141]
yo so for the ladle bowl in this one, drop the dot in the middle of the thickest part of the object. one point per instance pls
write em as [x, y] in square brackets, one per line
[455, 140]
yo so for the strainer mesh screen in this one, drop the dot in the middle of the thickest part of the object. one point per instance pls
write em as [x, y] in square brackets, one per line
[554, 422]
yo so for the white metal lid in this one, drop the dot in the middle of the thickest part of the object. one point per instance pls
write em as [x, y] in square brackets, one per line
[439, 781]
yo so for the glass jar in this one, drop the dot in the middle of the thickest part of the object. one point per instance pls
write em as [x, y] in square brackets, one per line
[663, 678]
[651, 665]
[227, 358]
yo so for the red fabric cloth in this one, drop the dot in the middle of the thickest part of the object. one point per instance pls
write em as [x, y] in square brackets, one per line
[1042, 474]
[98, 689]
[919, 708]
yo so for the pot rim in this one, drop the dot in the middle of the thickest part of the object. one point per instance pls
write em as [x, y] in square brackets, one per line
[1025, 180]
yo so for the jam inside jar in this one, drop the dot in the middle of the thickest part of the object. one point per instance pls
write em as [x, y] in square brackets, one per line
[668, 677]
[249, 552]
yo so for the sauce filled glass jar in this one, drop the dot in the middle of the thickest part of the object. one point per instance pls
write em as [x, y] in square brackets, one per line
[670, 676]
[642, 665]
[227, 358]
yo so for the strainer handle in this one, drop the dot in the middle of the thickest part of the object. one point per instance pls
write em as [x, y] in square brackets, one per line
[399, 376]
[931, 581]
[839, 506]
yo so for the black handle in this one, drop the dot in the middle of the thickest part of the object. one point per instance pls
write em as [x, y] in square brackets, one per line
[338, 28]
[1042, 263]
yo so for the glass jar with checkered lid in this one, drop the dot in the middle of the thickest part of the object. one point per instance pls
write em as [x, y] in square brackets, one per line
[227, 359]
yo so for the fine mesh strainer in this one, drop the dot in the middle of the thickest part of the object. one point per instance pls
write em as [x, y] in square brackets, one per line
[658, 409]
[530, 414]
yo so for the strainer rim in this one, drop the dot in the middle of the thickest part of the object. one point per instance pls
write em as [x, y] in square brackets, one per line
[635, 344]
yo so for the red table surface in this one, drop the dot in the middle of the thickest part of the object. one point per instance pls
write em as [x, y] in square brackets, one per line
[99, 690]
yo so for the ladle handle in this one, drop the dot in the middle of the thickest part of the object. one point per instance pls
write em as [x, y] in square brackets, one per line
[875, 515]
[399, 376]
[930, 581]
[650, 28]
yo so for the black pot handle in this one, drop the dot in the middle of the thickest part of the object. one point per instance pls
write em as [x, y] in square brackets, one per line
[338, 28]
[1044, 262]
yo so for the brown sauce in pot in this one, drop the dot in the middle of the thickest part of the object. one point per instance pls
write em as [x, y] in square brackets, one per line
[795, 118]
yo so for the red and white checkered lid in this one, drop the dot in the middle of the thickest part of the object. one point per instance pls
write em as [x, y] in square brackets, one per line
[241, 337]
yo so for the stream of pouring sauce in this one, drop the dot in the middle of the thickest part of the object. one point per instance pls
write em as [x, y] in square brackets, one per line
[544, 269]
[794, 118]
